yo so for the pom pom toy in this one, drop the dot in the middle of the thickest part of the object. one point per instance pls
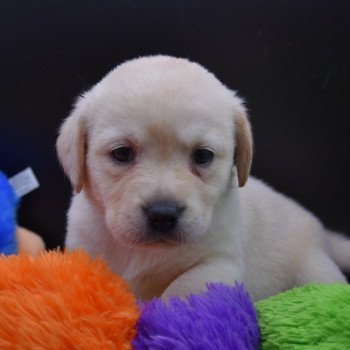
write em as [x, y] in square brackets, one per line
[310, 317]
[221, 318]
[55, 301]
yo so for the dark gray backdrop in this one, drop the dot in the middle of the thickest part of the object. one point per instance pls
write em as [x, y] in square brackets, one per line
[289, 59]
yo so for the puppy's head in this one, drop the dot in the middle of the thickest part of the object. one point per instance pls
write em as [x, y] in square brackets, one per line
[153, 145]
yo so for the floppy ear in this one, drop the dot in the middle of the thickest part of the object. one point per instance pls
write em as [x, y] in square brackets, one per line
[71, 148]
[244, 146]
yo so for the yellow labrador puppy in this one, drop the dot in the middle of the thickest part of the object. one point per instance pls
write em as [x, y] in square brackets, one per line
[158, 153]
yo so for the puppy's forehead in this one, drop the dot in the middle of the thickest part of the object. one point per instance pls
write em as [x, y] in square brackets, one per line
[186, 134]
[162, 93]
[152, 80]
[167, 73]
[163, 132]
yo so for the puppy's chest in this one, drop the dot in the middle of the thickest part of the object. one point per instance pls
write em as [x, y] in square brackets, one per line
[147, 286]
[149, 274]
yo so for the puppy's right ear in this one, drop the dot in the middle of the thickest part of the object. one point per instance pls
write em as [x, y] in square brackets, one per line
[71, 147]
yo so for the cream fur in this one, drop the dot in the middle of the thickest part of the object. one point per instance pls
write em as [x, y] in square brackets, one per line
[164, 108]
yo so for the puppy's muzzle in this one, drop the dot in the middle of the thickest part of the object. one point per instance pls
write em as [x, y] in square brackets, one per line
[163, 216]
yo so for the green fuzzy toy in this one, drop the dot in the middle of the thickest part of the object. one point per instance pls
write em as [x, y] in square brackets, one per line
[311, 317]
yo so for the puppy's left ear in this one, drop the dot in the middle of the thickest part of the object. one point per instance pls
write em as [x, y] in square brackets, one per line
[71, 147]
[244, 145]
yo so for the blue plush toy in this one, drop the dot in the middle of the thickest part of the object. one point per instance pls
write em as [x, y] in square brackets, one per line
[8, 206]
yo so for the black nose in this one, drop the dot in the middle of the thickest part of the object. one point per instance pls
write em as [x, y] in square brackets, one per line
[163, 216]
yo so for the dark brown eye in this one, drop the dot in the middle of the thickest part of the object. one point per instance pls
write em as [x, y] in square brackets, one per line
[123, 154]
[202, 156]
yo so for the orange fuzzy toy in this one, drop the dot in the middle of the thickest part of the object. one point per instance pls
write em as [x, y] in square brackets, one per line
[64, 301]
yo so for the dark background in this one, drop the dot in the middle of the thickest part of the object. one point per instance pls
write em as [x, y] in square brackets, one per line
[289, 59]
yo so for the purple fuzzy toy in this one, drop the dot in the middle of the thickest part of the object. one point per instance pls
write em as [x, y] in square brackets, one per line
[221, 318]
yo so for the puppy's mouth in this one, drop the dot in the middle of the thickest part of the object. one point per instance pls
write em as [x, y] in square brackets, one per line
[170, 239]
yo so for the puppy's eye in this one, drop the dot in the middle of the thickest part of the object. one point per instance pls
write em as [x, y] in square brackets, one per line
[123, 154]
[202, 156]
